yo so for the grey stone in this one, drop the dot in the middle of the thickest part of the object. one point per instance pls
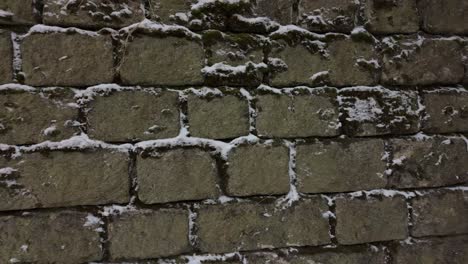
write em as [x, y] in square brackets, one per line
[327, 15]
[396, 16]
[306, 114]
[134, 115]
[67, 59]
[59, 237]
[432, 162]
[444, 17]
[6, 55]
[18, 12]
[447, 111]
[277, 10]
[341, 166]
[33, 117]
[159, 233]
[360, 221]
[176, 175]
[58, 179]
[164, 10]
[440, 213]
[258, 169]
[249, 226]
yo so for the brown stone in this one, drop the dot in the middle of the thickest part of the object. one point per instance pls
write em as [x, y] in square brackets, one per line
[176, 175]
[399, 16]
[18, 12]
[444, 17]
[6, 55]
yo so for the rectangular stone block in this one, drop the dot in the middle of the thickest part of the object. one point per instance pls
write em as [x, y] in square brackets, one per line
[431, 162]
[93, 14]
[409, 60]
[337, 61]
[162, 61]
[446, 111]
[394, 16]
[149, 234]
[328, 15]
[133, 115]
[59, 237]
[166, 11]
[260, 169]
[36, 115]
[444, 17]
[63, 178]
[370, 111]
[303, 113]
[6, 57]
[58, 58]
[371, 219]
[249, 226]
[341, 166]
[280, 11]
[18, 12]
[218, 116]
[176, 175]
[440, 213]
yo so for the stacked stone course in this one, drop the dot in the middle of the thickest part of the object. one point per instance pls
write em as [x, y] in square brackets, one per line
[234, 131]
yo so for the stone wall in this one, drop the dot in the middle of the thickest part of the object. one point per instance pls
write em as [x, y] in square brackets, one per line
[234, 131]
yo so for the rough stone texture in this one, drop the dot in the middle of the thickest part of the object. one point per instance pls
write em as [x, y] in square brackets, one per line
[6, 55]
[57, 179]
[431, 162]
[162, 61]
[249, 226]
[447, 111]
[33, 117]
[64, 59]
[342, 166]
[444, 17]
[18, 12]
[405, 61]
[301, 115]
[163, 10]
[134, 115]
[432, 251]
[369, 111]
[176, 175]
[399, 16]
[218, 117]
[372, 219]
[258, 169]
[327, 15]
[93, 13]
[62, 237]
[159, 233]
[280, 11]
[440, 213]
[338, 62]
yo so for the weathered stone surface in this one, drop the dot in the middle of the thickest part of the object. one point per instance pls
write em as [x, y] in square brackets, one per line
[162, 61]
[18, 12]
[341, 166]
[6, 55]
[57, 179]
[93, 13]
[372, 219]
[337, 62]
[258, 169]
[440, 213]
[67, 59]
[218, 117]
[419, 61]
[447, 111]
[248, 226]
[370, 111]
[305, 114]
[134, 115]
[432, 251]
[445, 17]
[327, 15]
[176, 175]
[159, 233]
[430, 162]
[166, 11]
[33, 117]
[399, 16]
[280, 11]
[64, 237]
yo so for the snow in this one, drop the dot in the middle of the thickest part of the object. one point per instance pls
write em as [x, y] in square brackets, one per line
[116, 209]
[285, 30]
[7, 171]
[224, 70]
[154, 27]
[6, 14]
[92, 221]
[206, 3]
[293, 195]
[16, 87]
[200, 259]
[42, 29]
[267, 23]
[318, 75]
